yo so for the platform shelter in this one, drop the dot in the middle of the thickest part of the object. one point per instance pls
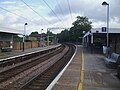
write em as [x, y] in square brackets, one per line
[96, 38]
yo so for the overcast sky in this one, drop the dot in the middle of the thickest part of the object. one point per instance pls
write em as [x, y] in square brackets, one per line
[54, 13]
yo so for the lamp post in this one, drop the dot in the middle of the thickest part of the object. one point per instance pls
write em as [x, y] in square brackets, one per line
[24, 36]
[106, 4]
[47, 37]
[41, 39]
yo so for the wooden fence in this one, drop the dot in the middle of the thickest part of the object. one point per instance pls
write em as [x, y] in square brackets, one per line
[19, 45]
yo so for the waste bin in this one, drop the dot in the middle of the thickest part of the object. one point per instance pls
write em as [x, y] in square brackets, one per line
[105, 50]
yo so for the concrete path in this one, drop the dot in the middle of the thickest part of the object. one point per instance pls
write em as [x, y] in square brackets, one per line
[96, 75]
[88, 72]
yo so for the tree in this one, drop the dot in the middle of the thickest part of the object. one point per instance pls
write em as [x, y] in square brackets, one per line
[51, 36]
[80, 25]
[17, 38]
[76, 32]
[64, 36]
[34, 33]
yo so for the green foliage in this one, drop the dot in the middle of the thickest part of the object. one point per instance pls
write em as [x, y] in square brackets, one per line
[64, 36]
[76, 32]
[16, 38]
[34, 33]
[51, 36]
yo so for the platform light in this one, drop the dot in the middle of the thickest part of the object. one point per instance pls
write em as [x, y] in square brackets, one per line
[24, 35]
[106, 4]
[108, 48]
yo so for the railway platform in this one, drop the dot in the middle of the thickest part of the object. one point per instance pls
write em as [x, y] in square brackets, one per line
[86, 72]
[13, 53]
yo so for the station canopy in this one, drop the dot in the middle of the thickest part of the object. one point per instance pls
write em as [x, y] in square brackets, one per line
[99, 30]
[9, 30]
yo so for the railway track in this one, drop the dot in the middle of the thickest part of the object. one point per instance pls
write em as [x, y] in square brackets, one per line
[41, 82]
[25, 65]
[16, 69]
[50, 63]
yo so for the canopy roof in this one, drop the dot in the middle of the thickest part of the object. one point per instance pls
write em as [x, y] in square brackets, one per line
[99, 30]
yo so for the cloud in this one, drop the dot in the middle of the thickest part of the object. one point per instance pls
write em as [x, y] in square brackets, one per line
[90, 8]
[24, 14]
[1, 17]
[8, 2]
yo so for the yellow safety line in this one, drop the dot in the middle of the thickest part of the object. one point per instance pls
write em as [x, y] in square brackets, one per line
[82, 74]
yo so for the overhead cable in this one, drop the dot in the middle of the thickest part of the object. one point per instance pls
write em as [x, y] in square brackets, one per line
[13, 13]
[60, 8]
[17, 14]
[70, 10]
[53, 11]
[35, 11]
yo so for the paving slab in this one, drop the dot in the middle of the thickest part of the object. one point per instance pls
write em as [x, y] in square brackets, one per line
[96, 76]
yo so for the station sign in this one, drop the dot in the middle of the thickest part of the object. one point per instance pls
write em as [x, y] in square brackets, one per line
[104, 29]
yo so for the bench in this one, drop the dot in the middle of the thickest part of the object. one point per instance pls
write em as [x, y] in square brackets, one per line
[6, 49]
[113, 61]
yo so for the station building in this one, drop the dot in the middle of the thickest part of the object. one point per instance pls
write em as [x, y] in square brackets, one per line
[6, 39]
[96, 38]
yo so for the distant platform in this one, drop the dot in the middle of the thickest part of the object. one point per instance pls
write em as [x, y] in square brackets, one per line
[17, 53]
